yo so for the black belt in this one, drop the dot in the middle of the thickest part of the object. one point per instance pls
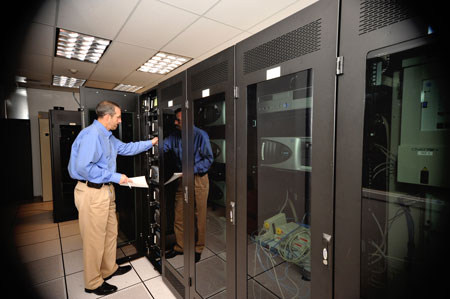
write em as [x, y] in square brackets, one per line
[200, 174]
[94, 185]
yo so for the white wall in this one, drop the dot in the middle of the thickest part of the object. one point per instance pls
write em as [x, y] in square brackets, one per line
[42, 100]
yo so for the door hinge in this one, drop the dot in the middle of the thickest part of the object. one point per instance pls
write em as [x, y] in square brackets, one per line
[339, 65]
[236, 92]
[190, 281]
[186, 104]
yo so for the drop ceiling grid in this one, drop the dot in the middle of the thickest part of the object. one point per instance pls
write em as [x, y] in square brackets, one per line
[196, 29]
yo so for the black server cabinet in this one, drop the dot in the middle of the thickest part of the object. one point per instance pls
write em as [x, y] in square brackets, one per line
[150, 208]
[285, 120]
[127, 202]
[64, 128]
[171, 97]
[392, 151]
[211, 108]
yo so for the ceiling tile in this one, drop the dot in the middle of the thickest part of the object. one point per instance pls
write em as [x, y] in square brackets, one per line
[40, 64]
[153, 24]
[100, 18]
[47, 13]
[61, 66]
[99, 84]
[119, 61]
[223, 46]
[141, 78]
[201, 37]
[40, 40]
[37, 78]
[125, 56]
[198, 7]
[286, 12]
[236, 12]
[110, 74]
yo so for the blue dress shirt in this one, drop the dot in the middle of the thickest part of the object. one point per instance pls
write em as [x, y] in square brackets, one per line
[203, 155]
[94, 153]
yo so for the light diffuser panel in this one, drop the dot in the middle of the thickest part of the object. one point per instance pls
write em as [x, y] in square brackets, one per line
[163, 63]
[73, 45]
[64, 81]
[126, 87]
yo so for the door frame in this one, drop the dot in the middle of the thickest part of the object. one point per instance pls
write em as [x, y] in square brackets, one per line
[216, 74]
[170, 91]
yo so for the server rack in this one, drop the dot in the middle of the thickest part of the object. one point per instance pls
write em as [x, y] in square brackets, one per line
[64, 128]
[127, 201]
[151, 224]
[389, 210]
[285, 113]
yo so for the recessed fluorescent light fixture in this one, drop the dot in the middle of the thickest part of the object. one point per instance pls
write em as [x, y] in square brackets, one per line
[74, 45]
[163, 63]
[21, 79]
[64, 81]
[126, 87]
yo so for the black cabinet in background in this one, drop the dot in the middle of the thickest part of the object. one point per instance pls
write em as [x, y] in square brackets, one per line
[64, 128]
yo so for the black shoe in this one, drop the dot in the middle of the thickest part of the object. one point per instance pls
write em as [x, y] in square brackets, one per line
[172, 253]
[121, 270]
[197, 256]
[102, 290]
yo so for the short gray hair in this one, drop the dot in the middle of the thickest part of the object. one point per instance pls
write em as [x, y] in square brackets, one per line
[106, 107]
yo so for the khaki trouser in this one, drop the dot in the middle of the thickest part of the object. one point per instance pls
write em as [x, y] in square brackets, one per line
[201, 198]
[98, 228]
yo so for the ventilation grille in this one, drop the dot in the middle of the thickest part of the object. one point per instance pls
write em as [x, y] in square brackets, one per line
[296, 43]
[172, 91]
[213, 75]
[179, 287]
[376, 14]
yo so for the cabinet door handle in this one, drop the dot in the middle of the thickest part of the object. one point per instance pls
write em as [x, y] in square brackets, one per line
[326, 239]
[233, 212]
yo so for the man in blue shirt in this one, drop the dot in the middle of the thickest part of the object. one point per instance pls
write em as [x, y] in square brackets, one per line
[203, 158]
[93, 164]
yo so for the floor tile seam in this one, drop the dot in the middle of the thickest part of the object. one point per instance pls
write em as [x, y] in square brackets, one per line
[266, 270]
[31, 231]
[21, 234]
[216, 293]
[33, 285]
[127, 287]
[33, 210]
[27, 262]
[63, 263]
[261, 285]
[145, 285]
[49, 280]
[140, 275]
[37, 243]
[34, 230]
[71, 251]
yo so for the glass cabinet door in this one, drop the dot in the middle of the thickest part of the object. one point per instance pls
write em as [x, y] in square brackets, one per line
[209, 183]
[405, 175]
[172, 147]
[278, 178]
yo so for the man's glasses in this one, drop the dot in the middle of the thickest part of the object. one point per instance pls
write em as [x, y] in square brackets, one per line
[178, 120]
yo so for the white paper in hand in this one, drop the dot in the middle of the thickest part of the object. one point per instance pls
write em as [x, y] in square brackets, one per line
[175, 176]
[138, 182]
